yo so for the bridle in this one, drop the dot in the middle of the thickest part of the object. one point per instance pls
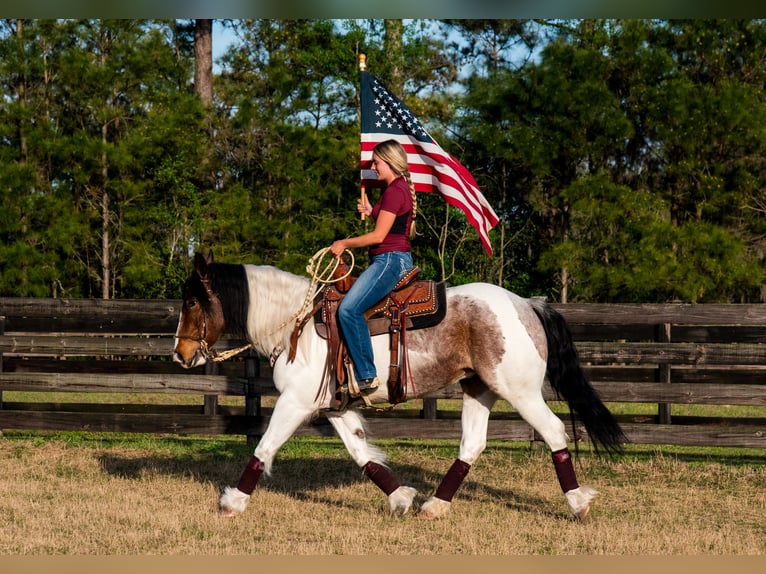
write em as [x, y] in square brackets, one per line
[201, 339]
[204, 348]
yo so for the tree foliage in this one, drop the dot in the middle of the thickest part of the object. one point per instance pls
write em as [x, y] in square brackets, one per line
[624, 157]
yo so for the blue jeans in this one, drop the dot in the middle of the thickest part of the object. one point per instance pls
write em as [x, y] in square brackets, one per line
[373, 284]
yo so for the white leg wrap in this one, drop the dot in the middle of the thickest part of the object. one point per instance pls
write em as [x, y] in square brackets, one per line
[400, 500]
[233, 501]
[579, 500]
[434, 508]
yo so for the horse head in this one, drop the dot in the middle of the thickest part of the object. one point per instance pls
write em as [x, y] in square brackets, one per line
[202, 320]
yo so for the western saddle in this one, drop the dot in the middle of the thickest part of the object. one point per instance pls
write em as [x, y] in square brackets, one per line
[412, 304]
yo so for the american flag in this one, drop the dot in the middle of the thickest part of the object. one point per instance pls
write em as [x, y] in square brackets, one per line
[385, 117]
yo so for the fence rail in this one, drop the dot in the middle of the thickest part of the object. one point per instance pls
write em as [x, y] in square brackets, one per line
[663, 355]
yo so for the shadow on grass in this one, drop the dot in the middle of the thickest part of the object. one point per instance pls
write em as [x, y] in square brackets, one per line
[305, 478]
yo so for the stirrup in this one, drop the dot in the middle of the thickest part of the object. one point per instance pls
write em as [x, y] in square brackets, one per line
[366, 385]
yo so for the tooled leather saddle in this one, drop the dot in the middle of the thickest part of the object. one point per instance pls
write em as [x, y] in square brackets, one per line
[412, 304]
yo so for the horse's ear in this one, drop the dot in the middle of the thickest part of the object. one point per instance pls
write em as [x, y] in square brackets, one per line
[210, 257]
[200, 264]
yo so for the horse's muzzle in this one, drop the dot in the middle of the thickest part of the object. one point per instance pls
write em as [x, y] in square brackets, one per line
[194, 359]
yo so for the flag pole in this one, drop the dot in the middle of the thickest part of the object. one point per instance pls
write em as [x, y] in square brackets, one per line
[363, 194]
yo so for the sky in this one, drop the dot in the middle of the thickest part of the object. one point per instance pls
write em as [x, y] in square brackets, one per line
[222, 37]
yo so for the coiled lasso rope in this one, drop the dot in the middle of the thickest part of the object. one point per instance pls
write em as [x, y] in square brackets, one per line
[321, 275]
[318, 276]
[327, 275]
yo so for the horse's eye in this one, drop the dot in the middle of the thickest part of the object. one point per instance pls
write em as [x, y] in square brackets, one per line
[191, 303]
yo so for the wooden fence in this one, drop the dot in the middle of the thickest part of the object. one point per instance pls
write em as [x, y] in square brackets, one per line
[663, 355]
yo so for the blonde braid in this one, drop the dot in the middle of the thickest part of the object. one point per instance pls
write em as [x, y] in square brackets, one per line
[408, 177]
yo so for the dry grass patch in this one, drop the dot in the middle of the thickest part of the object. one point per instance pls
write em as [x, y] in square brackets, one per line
[158, 496]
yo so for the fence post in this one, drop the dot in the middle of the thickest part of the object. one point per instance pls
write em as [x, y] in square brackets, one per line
[252, 398]
[211, 401]
[429, 409]
[663, 374]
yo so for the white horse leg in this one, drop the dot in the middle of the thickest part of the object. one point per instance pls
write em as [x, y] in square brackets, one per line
[536, 412]
[286, 418]
[474, 421]
[351, 428]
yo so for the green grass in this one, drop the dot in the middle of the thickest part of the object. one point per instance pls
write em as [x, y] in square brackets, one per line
[166, 445]
[231, 446]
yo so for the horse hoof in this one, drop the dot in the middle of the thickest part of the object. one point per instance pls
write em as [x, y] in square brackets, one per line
[400, 500]
[228, 512]
[434, 508]
[579, 500]
[233, 502]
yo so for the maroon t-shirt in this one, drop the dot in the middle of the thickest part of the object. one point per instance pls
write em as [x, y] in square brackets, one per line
[396, 198]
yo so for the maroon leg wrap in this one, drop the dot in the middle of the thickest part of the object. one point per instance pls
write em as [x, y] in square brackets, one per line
[250, 475]
[381, 477]
[562, 462]
[452, 480]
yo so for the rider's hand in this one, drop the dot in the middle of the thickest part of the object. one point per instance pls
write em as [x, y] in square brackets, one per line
[338, 247]
[364, 207]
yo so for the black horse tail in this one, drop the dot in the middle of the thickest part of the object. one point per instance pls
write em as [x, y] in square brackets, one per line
[569, 381]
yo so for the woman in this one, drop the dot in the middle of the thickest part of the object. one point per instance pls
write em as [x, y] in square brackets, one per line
[390, 258]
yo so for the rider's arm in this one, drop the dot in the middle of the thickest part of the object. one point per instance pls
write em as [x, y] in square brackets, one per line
[383, 225]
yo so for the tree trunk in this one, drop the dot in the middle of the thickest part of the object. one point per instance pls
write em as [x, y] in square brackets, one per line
[203, 60]
[203, 85]
[105, 215]
[394, 30]
[22, 93]
[105, 259]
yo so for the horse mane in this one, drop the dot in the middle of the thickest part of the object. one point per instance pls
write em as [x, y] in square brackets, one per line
[229, 282]
[275, 297]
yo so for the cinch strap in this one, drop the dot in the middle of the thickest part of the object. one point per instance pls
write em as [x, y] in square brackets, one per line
[381, 477]
[562, 462]
[250, 476]
[452, 480]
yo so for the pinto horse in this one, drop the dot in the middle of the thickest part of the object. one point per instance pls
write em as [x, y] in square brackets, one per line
[494, 343]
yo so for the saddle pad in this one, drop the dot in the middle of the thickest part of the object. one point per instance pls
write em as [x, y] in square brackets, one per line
[426, 303]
